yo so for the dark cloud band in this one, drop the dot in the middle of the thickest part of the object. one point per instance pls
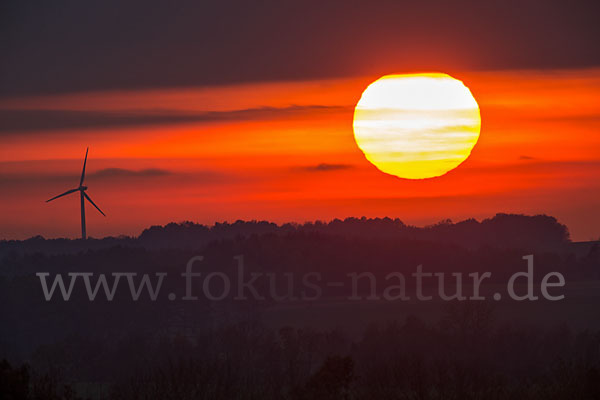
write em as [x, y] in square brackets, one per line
[69, 46]
[13, 121]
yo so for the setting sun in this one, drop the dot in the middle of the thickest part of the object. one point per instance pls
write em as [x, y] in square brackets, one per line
[416, 126]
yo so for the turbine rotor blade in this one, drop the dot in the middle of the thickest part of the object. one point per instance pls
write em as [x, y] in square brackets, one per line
[64, 194]
[83, 171]
[94, 204]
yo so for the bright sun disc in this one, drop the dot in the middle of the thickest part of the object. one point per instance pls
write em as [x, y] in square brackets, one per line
[416, 126]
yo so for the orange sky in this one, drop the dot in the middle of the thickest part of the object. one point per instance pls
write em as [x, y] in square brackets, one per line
[285, 151]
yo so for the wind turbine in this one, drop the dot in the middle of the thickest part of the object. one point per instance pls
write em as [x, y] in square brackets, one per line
[81, 189]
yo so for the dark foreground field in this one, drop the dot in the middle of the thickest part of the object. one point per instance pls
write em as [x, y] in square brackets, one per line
[345, 343]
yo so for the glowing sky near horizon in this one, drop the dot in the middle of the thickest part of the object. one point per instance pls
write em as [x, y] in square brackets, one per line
[285, 151]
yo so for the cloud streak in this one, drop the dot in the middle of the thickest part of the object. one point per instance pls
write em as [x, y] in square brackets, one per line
[324, 167]
[128, 173]
[21, 121]
[8, 180]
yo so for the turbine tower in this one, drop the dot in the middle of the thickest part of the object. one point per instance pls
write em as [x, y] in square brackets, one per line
[83, 195]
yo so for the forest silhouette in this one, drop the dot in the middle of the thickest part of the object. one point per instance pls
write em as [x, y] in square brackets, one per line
[124, 349]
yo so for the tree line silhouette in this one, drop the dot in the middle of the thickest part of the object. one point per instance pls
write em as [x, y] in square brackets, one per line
[123, 349]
